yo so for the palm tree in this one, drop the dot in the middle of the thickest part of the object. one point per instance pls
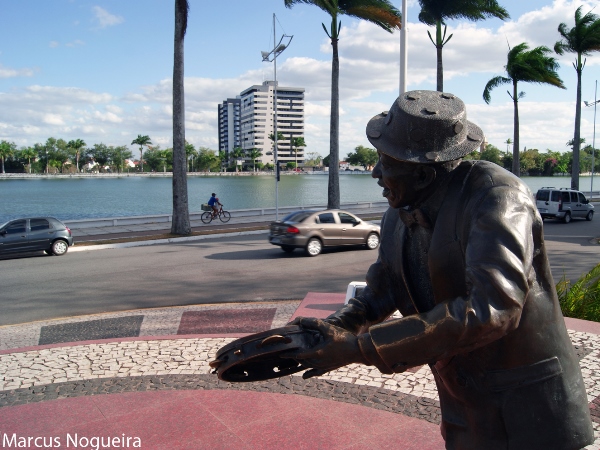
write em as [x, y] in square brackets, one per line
[223, 157]
[532, 66]
[237, 153]
[508, 143]
[254, 154]
[7, 149]
[190, 153]
[296, 142]
[28, 153]
[582, 39]
[436, 12]
[76, 146]
[181, 212]
[141, 141]
[379, 12]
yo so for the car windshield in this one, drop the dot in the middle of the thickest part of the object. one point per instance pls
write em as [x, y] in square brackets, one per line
[542, 196]
[297, 216]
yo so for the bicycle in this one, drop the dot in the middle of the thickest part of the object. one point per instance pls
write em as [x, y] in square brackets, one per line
[208, 216]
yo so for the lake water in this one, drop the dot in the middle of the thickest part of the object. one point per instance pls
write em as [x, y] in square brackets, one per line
[90, 197]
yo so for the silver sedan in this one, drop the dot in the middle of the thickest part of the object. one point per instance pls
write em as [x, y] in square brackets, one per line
[313, 230]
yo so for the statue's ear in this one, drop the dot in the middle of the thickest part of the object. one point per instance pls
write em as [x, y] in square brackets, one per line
[425, 176]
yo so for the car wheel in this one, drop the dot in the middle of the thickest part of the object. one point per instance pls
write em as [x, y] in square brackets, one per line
[567, 217]
[59, 247]
[589, 216]
[287, 248]
[372, 241]
[314, 247]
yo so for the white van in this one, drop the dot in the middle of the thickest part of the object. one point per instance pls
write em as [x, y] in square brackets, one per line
[563, 204]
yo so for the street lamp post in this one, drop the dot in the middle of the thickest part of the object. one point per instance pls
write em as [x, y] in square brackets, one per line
[284, 42]
[46, 161]
[403, 49]
[594, 136]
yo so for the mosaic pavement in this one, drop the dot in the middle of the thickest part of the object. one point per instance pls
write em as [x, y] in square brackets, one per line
[181, 361]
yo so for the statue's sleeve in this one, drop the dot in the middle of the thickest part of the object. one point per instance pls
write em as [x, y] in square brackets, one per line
[498, 252]
[375, 302]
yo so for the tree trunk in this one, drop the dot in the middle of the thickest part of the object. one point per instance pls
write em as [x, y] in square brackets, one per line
[181, 215]
[516, 165]
[577, 135]
[333, 188]
[440, 64]
[142, 158]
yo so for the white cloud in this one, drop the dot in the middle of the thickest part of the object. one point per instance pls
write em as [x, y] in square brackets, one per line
[7, 72]
[75, 43]
[53, 44]
[105, 19]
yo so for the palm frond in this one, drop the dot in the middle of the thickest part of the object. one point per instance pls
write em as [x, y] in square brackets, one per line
[492, 84]
[472, 10]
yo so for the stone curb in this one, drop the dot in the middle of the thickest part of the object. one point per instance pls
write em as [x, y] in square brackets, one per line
[83, 247]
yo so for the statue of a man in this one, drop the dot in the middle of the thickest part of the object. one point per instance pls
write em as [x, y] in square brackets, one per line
[462, 257]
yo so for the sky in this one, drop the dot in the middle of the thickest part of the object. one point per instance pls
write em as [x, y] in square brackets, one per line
[100, 70]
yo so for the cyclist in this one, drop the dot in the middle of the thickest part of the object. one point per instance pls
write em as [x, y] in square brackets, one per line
[214, 203]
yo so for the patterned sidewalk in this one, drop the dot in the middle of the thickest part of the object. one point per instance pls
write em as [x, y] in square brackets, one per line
[46, 364]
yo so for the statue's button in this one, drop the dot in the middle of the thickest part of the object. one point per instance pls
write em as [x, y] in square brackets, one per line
[432, 156]
[413, 97]
[374, 134]
[473, 137]
[431, 111]
[458, 127]
[447, 96]
[417, 135]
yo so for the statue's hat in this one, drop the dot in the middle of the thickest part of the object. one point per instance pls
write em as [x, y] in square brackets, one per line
[425, 127]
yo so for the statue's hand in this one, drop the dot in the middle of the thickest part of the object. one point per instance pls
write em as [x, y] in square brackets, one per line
[335, 348]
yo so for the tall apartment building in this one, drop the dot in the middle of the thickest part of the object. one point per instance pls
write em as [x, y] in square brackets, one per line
[229, 125]
[257, 116]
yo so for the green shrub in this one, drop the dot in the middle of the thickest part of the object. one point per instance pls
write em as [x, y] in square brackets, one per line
[582, 299]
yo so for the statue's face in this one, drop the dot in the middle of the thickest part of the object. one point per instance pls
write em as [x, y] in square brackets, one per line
[399, 180]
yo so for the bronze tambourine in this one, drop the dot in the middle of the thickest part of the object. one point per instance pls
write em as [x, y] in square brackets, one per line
[257, 357]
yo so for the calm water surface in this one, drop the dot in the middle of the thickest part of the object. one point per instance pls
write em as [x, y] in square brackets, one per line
[80, 198]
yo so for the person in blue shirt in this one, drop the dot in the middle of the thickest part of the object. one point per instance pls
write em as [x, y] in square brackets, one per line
[214, 203]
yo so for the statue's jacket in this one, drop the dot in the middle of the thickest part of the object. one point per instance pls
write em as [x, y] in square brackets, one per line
[493, 334]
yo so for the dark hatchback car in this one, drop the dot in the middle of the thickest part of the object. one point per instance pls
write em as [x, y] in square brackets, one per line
[35, 234]
[313, 230]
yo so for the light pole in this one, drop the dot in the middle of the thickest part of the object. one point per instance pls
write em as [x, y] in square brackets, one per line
[284, 42]
[403, 50]
[46, 161]
[594, 137]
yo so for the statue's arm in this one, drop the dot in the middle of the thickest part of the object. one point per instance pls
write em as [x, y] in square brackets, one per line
[376, 301]
[498, 251]
[373, 305]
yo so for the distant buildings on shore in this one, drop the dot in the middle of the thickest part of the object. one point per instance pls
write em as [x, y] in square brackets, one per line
[247, 121]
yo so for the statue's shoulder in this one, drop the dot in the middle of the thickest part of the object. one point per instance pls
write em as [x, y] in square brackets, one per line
[480, 175]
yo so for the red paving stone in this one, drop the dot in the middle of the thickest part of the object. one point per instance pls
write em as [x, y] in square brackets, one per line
[222, 419]
[319, 305]
[226, 321]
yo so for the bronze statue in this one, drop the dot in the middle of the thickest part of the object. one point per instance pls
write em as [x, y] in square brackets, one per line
[462, 257]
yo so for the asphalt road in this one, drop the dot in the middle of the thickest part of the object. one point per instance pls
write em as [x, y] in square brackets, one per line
[243, 268]
[232, 269]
